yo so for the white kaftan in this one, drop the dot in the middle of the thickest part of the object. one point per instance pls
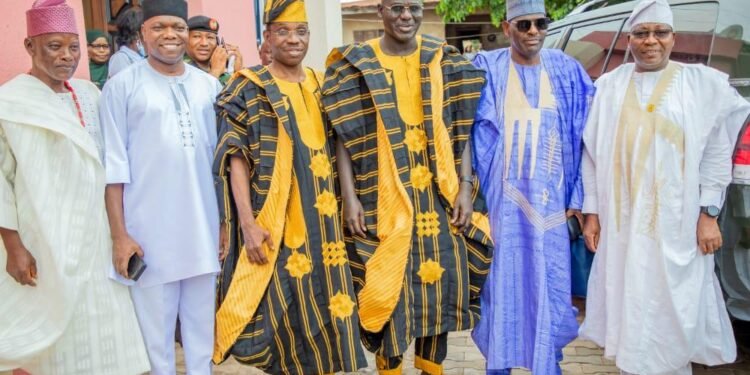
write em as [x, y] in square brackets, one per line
[655, 153]
[160, 134]
[76, 320]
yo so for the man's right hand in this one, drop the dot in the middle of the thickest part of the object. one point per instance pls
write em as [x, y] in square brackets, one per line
[354, 217]
[255, 236]
[122, 249]
[21, 265]
[219, 61]
[591, 231]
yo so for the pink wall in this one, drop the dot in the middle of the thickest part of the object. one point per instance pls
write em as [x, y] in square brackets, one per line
[236, 23]
[14, 59]
[236, 18]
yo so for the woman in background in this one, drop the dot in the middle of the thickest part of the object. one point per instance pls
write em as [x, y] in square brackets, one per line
[99, 47]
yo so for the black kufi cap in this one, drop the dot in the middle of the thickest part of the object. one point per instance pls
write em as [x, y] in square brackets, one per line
[153, 8]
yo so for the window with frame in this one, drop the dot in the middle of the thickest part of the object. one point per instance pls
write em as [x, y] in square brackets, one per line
[590, 45]
[551, 40]
[361, 36]
[731, 48]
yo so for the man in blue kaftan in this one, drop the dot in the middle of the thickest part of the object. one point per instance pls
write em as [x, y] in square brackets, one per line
[527, 152]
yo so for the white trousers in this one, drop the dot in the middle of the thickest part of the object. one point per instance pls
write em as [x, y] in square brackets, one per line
[157, 308]
[687, 370]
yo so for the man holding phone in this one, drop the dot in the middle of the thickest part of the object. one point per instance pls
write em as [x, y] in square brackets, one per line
[207, 51]
[160, 132]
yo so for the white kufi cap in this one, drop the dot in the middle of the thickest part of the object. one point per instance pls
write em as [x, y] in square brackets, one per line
[651, 11]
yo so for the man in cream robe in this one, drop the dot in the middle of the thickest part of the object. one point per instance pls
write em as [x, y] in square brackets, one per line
[60, 313]
[658, 146]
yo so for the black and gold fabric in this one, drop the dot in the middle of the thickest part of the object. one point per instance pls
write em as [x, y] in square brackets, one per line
[296, 314]
[422, 278]
[284, 11]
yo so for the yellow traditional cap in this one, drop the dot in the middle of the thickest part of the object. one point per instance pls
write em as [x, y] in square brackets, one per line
[285, 11]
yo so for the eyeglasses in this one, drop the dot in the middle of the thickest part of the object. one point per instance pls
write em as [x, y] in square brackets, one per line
[645, 34]
[397, 10]
[301, 32]
[525, 25]
[99, 46]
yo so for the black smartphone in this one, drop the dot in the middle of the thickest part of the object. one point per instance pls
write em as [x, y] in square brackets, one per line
[574, 228]
[136, 266]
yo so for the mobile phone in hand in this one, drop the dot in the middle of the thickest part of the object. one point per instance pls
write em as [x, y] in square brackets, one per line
[136, 267]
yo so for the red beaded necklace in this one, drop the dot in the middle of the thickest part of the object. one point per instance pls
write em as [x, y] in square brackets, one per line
[75, 100]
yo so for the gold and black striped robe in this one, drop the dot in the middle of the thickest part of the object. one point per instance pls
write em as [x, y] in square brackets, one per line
[415, 276]
[297, 314]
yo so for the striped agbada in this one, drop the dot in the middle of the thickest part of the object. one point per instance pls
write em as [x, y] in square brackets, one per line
[296, 314]
[421, 279]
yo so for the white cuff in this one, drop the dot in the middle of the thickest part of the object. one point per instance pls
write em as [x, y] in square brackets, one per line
[117, 173]
[8, 216]
[590, 204]
[711, 197]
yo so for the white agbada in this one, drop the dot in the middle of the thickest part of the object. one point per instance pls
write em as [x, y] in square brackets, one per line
[160, 134]
[654, 302]
[76, 320]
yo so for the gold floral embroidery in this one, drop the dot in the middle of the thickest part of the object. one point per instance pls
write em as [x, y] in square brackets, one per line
[320, 165]
[341, 306]
[421, 177]
[415, 140]
[430, 271]
[298, 265]
[326, 204]
[334, 254]
[427, 224]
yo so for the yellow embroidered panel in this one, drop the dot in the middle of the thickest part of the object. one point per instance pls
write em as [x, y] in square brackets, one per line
[421, 177]
[320, 165]
[341, 306]
[428, 224]
[304, 98]
[298, 264]
[406, 76]
[326, 204]
[430, 271]
[334, 254]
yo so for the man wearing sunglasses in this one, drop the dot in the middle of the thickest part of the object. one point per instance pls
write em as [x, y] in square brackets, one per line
[402, 107]
[658, 145]
[527, 151]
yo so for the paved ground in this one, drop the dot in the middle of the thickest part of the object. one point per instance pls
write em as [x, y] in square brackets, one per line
[581, 358]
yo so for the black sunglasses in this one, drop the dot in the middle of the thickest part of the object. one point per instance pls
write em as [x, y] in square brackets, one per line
[525, 25]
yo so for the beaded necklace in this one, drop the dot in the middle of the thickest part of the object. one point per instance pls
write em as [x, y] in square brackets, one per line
[77, 103]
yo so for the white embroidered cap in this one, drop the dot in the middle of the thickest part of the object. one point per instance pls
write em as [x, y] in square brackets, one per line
[651, 11]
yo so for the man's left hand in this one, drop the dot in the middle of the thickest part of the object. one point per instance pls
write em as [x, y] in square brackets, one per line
[463, 208]
[709, 235]
[223, 241]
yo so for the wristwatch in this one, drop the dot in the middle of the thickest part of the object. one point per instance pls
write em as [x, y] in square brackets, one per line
[711, 211]
[468, 179]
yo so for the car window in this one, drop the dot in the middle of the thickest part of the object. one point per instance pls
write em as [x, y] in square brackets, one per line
[552, 39]
[731, 52]
[590, 44]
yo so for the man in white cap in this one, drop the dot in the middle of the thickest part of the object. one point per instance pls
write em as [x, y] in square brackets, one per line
[160, 132]
[527, 153]
[658, 147]
[60, 313]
